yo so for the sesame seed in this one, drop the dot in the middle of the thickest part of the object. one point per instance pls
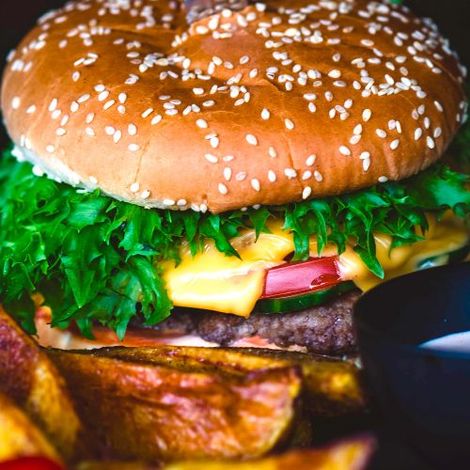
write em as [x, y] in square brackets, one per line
[147, 113]
[31, 109]
[133, 147]
[272, 176]
[310, 160]
[109, 130]
[255, 184]
[343, 150]
[437, 132]
[307, 174]
[211, 158]
[61, 131]
[306, 192]
[122, 98]
[358, 129]
[84, 98]
[289, 124]
[50, 149]
[222, 188]
[366, 115]
[227, 173]
[240, 176]
[272, 152]
[418, 133]
[355, 139]
[214, 142]
[290, 173]
[156, 120]
[318, 176]
[383, 179]
[381, 133]
[310, 96]
[265, 114]
[74, 107]
[334, 73]
[132, 129]
[53, 105]
[90, 132]
[145, 194]
[312, 107]
[394, 144]
[430, 142]
[198, 91]
[202, 124]
[364, 156]
[103, 95]
[117, 136]
[251, 139]
[135, 187]
[90, 117]
[366, 164]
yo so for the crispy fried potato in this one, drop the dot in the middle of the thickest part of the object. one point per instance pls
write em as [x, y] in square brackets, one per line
[353, 454]
[332, 386]
[19, 437]
[109, 465]
[164, 409]
[29, 378]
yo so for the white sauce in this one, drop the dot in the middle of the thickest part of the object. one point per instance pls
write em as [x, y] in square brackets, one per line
[457, 342]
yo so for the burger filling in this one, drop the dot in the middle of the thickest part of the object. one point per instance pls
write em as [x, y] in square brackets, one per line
[100, 262]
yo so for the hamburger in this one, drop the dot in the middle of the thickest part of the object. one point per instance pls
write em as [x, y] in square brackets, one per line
[235, 181]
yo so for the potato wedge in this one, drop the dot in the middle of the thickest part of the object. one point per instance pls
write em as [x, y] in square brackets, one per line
[112, 465]
[29, 378]
[19, 436]
[156, 410]
[352, 454]
[332, 386]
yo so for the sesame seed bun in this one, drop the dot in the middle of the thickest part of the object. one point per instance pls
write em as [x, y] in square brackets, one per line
[279, 102]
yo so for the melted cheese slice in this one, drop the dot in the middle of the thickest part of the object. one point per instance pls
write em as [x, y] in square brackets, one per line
[212, 281]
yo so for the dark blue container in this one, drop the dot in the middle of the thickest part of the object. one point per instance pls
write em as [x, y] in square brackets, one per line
[422, 396]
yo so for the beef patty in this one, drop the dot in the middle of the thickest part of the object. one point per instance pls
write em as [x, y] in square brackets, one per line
[325, 329]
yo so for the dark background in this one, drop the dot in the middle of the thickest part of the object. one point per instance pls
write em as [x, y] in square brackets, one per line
[17, 16]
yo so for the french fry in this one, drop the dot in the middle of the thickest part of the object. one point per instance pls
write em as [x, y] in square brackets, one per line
[29, 378]
[331, 386]
[165, 409]
[19, 437]
[352, 454]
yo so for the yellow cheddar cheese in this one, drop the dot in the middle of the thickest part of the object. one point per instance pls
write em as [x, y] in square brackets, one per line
[227, 284]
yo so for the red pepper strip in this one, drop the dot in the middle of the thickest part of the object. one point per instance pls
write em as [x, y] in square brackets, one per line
[298, 278]
[30, 463]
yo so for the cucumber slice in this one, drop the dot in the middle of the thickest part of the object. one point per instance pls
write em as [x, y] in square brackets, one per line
[301, 302]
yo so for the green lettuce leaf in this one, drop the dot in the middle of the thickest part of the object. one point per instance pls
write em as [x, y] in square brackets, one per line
[95, 259]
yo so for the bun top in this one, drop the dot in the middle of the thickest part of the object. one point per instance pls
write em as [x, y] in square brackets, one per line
[278, 102]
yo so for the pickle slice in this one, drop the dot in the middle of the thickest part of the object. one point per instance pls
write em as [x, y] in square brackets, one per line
[301, 302]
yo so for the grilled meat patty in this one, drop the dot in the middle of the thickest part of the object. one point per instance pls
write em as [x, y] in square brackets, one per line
[325, 329]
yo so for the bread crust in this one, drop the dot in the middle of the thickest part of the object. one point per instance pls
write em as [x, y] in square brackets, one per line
[276, 103]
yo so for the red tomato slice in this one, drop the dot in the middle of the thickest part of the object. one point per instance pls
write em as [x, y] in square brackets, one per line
[298, 278]
[30, 463]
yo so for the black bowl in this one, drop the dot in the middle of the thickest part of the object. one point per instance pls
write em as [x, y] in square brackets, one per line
[422, 395]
